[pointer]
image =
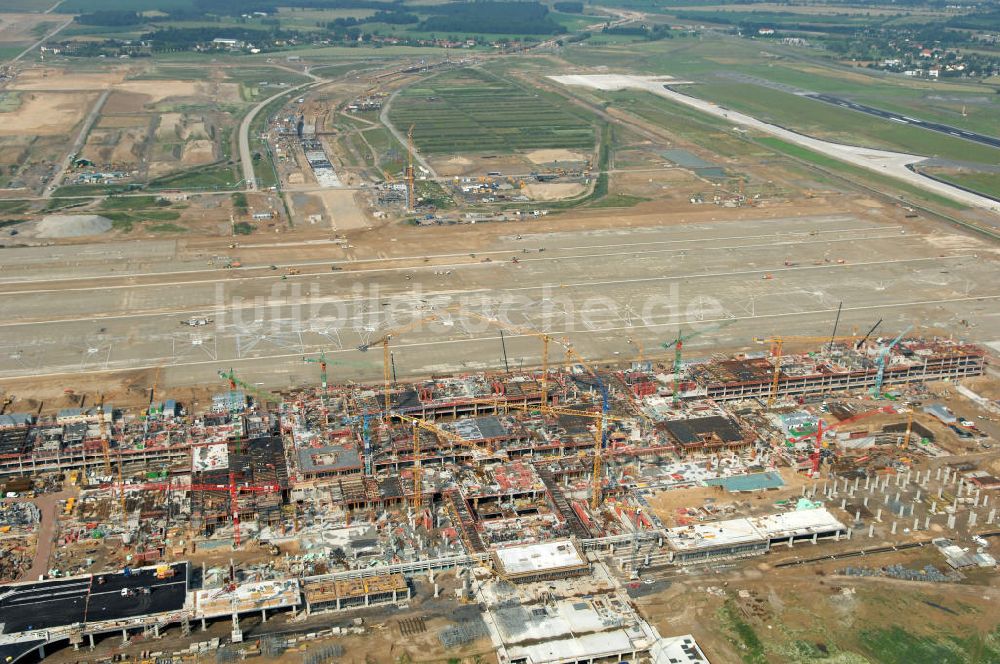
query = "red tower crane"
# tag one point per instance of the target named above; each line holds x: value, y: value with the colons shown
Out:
x: 232, y: 488
x: 820, y: 430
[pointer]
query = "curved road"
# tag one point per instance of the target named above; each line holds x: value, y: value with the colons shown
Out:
x: 246, y: 159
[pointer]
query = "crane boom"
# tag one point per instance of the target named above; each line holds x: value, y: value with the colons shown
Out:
x: 883, y: 355
x: 816, y: 456
x: 386, y: 358
x: 526, y: 331
x: 678, y: 343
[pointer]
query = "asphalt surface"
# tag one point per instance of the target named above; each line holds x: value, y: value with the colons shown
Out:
x: 904, y: 119
x: 61, y: 602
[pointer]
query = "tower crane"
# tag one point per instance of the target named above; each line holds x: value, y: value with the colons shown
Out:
x: 815, y: 457
x: 232, y: 488
x: 235, y: 381
x: 883, y: 355
x: 601, y: 433
x: 524, y: 331
x: 678, y: 344
x: 777, y: 345
x: 323, y: 362
x: 411, y: 200
x: 387, y: 360
x: 418, y: 424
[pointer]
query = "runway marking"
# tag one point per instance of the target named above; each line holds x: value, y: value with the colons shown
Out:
x: 471, y: 339
x: 407, y: 258
x: 424, y: 268
x: 308, y: 301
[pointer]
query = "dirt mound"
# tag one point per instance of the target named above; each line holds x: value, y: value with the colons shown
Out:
x: 72, y: 225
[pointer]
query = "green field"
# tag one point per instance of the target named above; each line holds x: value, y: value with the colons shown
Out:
x: 719, y: 60
x: 470, y: 110
x: 987, y: 184
x: 823, y: 120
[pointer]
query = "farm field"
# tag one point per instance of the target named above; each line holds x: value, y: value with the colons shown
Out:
x: 472, y: 111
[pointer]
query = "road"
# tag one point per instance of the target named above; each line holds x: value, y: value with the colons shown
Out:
x: 983, y: 139
x: 246, y: 158
x: 384, y: 118
x: 119, y: 306
x: 48, y: 506
x: 81, y: 138
x: 893, y: 164
x: 41, y: 41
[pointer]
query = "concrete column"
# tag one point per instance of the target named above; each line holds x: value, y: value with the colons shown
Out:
x: 916, y: 523
x: 156, y: 630
x: 893, y: 531
x: 868, y: 481
x: 902, y: 508
x: 263, y: 613
x: 986, y: 499
x: 951, y: 521
x: 436, y: 590
x: 815, y: 538
x: 916, y: 498
x: 850, y: 532
x: 204, y: 625
x: 843, y: 503
x: 857, y: 516
x: 972, y: 519
x: 92, y: 646
x: 927, y: 523
x: 791, y: 541
x: 124, y: 635
x: 898, y: 494
x: 865, y: 501
x: 933, y: 507
x: 871, y: 530
x: 857, y: 481
x: 878, y: 515
x: 940, y: 492
x: 41, y: 651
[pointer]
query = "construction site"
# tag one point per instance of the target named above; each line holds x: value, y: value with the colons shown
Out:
x: 542, y: 504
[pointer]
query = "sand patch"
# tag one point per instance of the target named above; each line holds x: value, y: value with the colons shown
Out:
x: 344, y: 212
x: 159, y: 90
x: 19, y: 28
x: 72, y: 225
x: 548, y: 156
x: 127, y: 148
x: 459, y: 161
x: 194, y: 131
x: 167, y: 130
x: 122, y: 121
x: 125, y: 102
x: 58, y: 79
x: 550, y: 191
x: 198, y: 152
x: 45, y: 114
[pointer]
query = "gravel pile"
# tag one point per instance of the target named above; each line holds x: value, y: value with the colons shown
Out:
x: 72, y: 225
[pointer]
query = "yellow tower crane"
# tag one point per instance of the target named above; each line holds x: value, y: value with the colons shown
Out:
x: 386, y: 358
x: 411, y: 201
x: 444, y: 434
x: 523, y: 331
x: 777, y: 346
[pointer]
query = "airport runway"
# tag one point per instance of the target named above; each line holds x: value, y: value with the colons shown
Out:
x: 608, y: 293
x: 905, y: 119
